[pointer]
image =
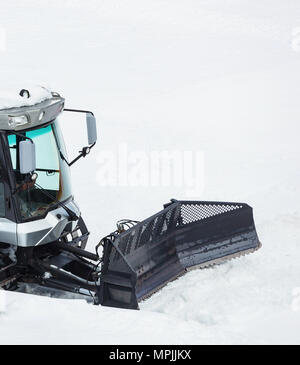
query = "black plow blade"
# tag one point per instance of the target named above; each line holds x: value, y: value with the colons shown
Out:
x: 183, y: 236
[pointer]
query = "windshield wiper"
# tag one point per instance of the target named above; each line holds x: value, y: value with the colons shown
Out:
x: 73, y: 216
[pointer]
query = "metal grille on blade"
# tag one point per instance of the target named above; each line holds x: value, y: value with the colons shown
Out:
x: 196, y: 212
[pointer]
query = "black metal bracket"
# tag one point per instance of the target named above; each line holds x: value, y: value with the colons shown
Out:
x: 85, y: 151
x: 78, y: 111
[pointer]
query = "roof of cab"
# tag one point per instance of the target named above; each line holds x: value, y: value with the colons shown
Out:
x: 28, y: 108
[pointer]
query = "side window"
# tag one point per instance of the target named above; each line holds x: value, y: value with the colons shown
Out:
x: 47, y: 161
x: 13, y: 149
x: 2, y: 200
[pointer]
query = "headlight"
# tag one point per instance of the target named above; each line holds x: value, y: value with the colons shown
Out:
x: 14, y: 122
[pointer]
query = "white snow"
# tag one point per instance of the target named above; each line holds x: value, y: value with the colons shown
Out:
x: 10, y: 94
x: 219, y: 77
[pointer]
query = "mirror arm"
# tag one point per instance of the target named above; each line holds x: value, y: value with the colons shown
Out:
x: 85, y: 151
x: 63, y: 158
x: 79, y: 111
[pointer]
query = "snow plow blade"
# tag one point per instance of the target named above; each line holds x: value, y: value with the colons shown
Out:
x: 183, y: 236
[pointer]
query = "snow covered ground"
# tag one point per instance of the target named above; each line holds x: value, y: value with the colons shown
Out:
x: 212, y: 76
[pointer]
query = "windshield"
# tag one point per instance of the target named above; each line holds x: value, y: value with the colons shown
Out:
x: 53, y: 173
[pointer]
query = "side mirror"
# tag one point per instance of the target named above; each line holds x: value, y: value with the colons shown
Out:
x: 27, y: 156
x: 91, y: 128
